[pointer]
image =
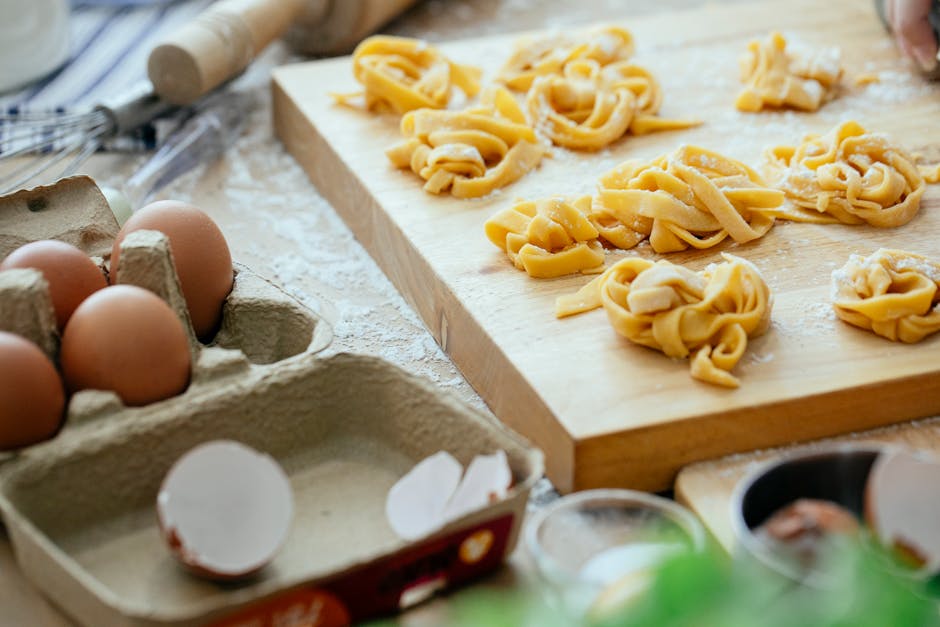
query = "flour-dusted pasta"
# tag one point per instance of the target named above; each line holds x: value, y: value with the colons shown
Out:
x: 773, y: 77
x: 893, y: 293
x: 549, y: 237
x: 471, y: 152
x: 848, y: 175
x: 549, y: 54
x: 706, y: 315
x: 588, y: 107
x: 399, y: 74
x: 691, y: 197
x: 582, y: 92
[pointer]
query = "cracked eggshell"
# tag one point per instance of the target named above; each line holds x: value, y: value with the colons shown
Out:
x: 437, y: 491
x: 225, y: 510
x: 486, y: 481
x: 902, y: 506
x: 415, y: 504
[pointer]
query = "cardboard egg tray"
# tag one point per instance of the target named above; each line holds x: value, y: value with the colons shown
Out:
x: 80, y: 508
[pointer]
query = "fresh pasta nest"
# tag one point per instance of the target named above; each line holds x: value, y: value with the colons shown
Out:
x: 548, y: 55
x: 776, y: 78
x: 847, y: 175
x: 588, y: 106
x: 471, y: 152
x: 893, y: 293
x: 399, y: 74
x: 690, y: 198
x: 548, y: 238
x: 582, y: 92
x: 706, y: 315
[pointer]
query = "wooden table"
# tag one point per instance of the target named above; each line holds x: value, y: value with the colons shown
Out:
x: 277, y: 223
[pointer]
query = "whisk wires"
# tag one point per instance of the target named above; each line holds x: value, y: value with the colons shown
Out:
x: 34, y: 145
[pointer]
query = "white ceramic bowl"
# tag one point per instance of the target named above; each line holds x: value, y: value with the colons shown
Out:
x: 34, y: 40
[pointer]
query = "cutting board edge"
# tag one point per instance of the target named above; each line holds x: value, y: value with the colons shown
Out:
x: 598, y: 464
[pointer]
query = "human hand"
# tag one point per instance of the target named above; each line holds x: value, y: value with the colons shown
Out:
x: 912, y: 30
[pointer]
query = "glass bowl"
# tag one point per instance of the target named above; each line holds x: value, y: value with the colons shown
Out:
x: 598, y: 547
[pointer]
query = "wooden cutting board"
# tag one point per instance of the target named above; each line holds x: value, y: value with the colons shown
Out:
x: 606, y: 412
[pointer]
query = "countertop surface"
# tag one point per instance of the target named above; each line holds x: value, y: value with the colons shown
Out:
x: 277, y: 223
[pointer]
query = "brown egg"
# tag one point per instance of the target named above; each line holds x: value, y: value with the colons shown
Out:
x: 202, y: 258
x: 71, y: 274
x: 128, y: 340
x: 32, y: 400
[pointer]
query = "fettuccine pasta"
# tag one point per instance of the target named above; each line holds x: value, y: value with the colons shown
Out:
x: 847, y: 175
x: 399, y: 74
x: 775, y: 78
x: 549, y: 237
x: 692, y: 197
x: 582, y: 92
x: 470, y: 152
x: 588, y: 106
x: 893, y: 293
x: 548, y: 55
x: 706, y: 315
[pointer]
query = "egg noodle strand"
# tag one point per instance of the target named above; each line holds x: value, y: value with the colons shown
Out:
x: 706, y: 315
x: 893, y: 293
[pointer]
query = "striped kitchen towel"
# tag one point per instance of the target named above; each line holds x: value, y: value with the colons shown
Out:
x: 110, y: 43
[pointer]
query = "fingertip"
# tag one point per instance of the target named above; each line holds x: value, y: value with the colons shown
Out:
x: 926, y: 57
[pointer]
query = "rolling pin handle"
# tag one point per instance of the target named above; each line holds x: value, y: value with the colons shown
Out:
x: 216, y: 46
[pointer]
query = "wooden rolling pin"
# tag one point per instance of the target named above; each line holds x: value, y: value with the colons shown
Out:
x: 224, y: 39
x: 336, y: 26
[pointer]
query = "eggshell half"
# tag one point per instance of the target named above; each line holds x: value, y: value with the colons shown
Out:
x: 225, y: 509
x: 902, y: 505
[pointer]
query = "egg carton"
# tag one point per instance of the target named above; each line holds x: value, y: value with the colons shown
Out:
x: 80, y: 508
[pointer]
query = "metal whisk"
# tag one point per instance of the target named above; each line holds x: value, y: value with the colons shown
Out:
x: 207, y: 51
x: 38, y: 146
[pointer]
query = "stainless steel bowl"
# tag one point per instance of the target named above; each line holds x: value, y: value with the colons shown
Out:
x: 836, y: 474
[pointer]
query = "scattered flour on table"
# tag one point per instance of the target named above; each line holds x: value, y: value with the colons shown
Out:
x: 814, y: 319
